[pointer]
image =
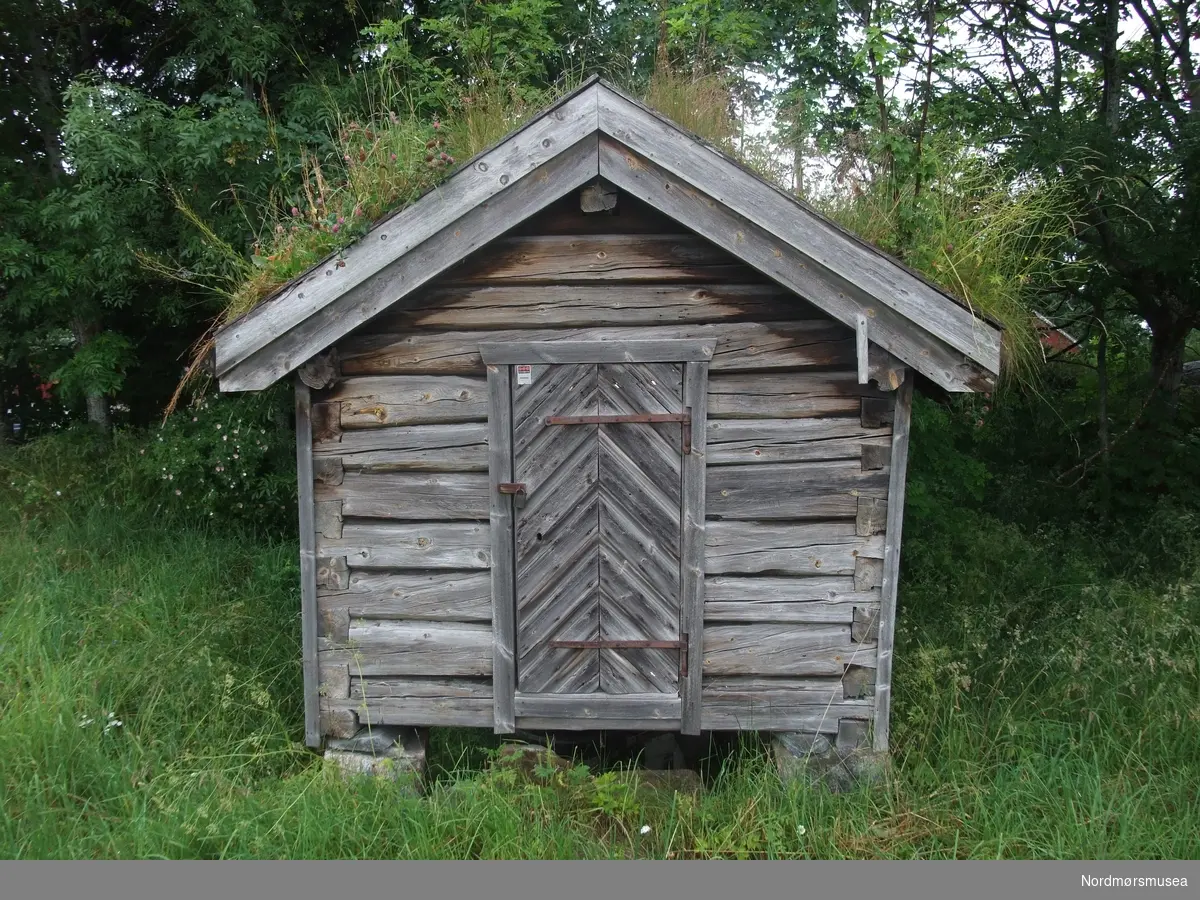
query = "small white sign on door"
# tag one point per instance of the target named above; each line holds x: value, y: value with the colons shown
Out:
x: 524, y: 374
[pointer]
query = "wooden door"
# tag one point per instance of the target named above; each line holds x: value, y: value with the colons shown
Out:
x: 605, y: 553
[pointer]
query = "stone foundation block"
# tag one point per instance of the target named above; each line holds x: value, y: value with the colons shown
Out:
x: 841, y: 764
x: 385, y: 751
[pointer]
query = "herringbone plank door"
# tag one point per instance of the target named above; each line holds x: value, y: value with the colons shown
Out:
x: 640, y: 493
x: 557, y: 532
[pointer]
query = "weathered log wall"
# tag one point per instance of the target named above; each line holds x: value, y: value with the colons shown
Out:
x: 797, y: 478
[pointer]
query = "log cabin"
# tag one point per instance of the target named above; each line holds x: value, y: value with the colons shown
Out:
x: 604, y: 432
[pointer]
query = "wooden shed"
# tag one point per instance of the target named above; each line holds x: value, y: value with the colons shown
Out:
x: 605, y: 432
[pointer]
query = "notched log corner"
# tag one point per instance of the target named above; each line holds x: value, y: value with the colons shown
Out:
x: 597, y: 198
x: 320, y: 372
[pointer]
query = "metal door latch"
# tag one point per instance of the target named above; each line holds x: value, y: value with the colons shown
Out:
x: 516, y: 489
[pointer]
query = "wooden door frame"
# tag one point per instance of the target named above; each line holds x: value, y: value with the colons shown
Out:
x: 695, y: 356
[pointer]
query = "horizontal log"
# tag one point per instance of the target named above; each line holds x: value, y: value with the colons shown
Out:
x: 781, y: 650
x: 741, y: 346
x: 598, y: 706
x: 448, y: 596
x: 421, y: 688
x: 584, y: 306
x: 794, y: 600
x: 753, y: 441
x: 609, y: 258
x: 410, y: 448
x: 369, y: 402
x: 435, y: 712
x: 778, y: 712
x: 789, y: 395
x: 416, y: 648
x: 412, y: 496
x: 804, y: 690
x: 812, y: 490
x: 747, y: 548
x: 412, y: 546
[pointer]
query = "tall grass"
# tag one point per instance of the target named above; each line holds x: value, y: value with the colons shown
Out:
x: 1073, y: 736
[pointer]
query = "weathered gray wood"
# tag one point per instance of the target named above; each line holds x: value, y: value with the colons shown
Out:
x: 367, y: 402
x: 589, y: 306
x: 640, y: 480
x: 332, y: 572
x: 308, y: 568
x: 877, y: 412
x: 863, y: 346
x: 328, y: 518
x: 583, y: 723
x: 811, y: 690
x: 335, y: 682
x: 876, y: 455
x: 449, y: 596
x: 327, y: 469
x: 858, y: 682
x: 872, y: 516
x: 338, y: 722
x: 501, y: 170
x: 431, y: 712
x: 502, y: 530
x: 417, y: 648
x: 691, y: 557
x: 777, y: 712
x: 885, y: 370
x: 786, y: 396
x: 865, y: 627
x: 326, y: 423
x: 564, y: 216
x: 868, y: 573
x: 599, y: 351
x: 773, y: 649
x: 321, y: 371
x: 334, y: 624
x: 951, y: 367
x: 811, y: 490
x: 891, y: 564
x: 557, y: 531
x: 426, y: 545
x: 409, y: 448
x: 413, y: 496
x: 800, y: 600
x: 879, y: 282
x: 445, y: 702
x: 598, y: 706
x: 597, y: 198
x: 741, y: 347
x: 387, y: 688
x: 348, y: 308
x: 754, y: 441
x: 747, y: 548
x: 609, y: 258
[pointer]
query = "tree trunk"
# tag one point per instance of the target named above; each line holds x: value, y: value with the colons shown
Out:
x: 97, y: 404
x: 1167, y: 344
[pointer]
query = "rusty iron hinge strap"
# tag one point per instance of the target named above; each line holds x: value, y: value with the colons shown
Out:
x: 681, y: 645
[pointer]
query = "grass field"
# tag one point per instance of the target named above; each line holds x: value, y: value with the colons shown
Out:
x: 150, y: 703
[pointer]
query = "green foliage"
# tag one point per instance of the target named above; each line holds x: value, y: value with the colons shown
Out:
x: 226, y: 459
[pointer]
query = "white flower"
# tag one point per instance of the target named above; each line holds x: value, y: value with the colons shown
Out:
x: 645, y: 829
x: 58, y: 493
x: 800, y: 830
